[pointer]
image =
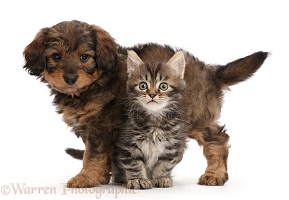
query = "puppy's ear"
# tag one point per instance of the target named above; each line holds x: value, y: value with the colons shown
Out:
x: 34, y: 54
x: 106, y: 50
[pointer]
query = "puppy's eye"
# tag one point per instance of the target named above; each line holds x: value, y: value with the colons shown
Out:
x: 56, y: 57
x: 84, y: 57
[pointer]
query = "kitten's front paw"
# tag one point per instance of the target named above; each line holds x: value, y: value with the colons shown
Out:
x: 163, y: 182
x: 139, y: 184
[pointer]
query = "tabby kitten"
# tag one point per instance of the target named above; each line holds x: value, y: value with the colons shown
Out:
x: 153, y: 139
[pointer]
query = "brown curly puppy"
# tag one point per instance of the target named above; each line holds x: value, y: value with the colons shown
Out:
x: 79, y: 64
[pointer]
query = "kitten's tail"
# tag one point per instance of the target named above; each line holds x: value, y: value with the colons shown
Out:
x: 75, y: 153
x: 240, y: 69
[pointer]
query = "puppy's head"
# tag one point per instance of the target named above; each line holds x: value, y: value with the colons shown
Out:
x: 71, y: 55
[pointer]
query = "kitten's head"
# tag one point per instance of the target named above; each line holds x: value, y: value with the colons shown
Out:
x: 155, y: 85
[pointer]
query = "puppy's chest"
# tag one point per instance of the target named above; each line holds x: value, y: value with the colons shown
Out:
x: 152, y: 146
x: 74, y: 116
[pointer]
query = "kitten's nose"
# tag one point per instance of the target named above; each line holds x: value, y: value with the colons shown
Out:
x: 152, y: 95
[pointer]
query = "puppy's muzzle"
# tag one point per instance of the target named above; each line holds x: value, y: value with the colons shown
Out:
x: 70, y: 79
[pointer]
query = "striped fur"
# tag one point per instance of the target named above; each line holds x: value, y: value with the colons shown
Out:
x: 153, y: 139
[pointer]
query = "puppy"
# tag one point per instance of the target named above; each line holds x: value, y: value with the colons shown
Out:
x: 79, y: 63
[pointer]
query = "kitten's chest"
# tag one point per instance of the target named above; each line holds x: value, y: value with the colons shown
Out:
x: 153, y: 146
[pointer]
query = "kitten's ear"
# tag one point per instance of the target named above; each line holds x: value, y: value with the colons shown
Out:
x: 177, y: 64
x: 133, y: 62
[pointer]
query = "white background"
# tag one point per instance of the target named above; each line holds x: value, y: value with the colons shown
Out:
x: 33, y: 136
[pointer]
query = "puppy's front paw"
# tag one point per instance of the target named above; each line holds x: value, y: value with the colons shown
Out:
x: 79, y: 181
x: 86, y: 179
x: 139, y: 184
x: 213, y: 179
x: 163, y: 182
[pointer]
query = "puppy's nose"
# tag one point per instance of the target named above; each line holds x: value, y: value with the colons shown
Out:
x: 70, y: 79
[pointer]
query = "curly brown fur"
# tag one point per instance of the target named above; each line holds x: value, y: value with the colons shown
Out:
x: 79, y: 62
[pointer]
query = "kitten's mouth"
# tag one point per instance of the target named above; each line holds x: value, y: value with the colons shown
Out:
x: 152, y: 101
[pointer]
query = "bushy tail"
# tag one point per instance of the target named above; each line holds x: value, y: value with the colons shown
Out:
x: 75, y: 153
x: 241, y: 69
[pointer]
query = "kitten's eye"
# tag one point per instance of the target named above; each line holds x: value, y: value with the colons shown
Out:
x: 163, y: 86
x: 84, y: 57
x: 56, y: 57
x: 143, y: 86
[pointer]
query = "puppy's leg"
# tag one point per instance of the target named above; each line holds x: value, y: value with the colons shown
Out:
x: 96, y: 167
x: 215, y: 147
